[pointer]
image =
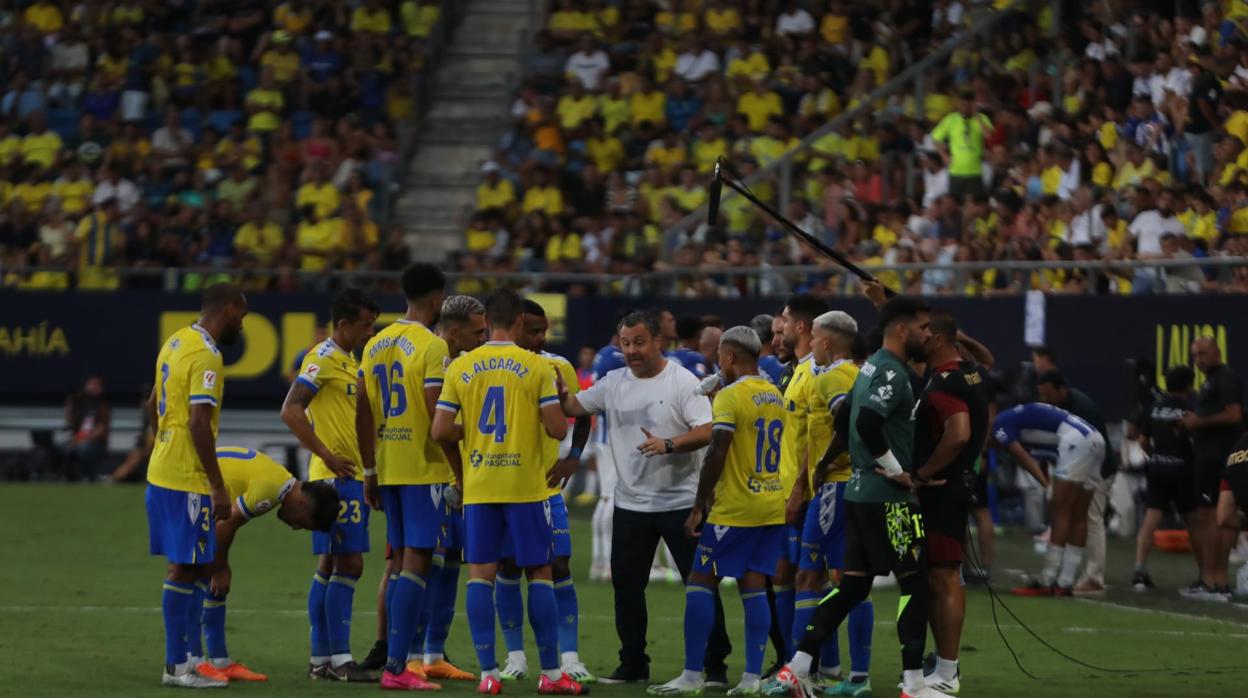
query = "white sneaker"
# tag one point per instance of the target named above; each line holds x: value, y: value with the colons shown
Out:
x: 925, y: 692
x: 679, y: 686
x: 951, y: 686
x: 514, y: 671
x: 579, y: 672
x: 752, y: 687
x: 191, y: 679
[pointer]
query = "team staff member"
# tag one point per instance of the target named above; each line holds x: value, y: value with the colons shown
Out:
x: 740, y: 499
x: 799, y: 314
x: 320, y: 411
x: 185, y: 490
x: 884, y: 531
x: 823, y: 531
x: 1233, y: 499
x: 256, y: 485
x: 507, y: 593
x: 495, y: 389
x: 657, y: 426
x: 1170, y: 481
x: 1215, y: 424
x: 405, y: 472
x: 952, y: 428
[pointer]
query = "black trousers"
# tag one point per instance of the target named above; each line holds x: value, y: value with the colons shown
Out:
x: 635, y: 538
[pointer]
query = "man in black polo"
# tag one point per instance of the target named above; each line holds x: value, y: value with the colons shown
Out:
x: 1215, y: 424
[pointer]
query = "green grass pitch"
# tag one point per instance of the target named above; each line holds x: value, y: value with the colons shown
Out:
x: 80, y: 616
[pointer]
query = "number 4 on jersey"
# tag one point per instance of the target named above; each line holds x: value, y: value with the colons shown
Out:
x: 494, y: 415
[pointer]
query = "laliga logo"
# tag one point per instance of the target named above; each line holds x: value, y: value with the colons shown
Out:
x: 476, y: 458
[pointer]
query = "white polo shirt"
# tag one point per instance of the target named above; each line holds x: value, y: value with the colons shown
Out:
x: 666, y: 405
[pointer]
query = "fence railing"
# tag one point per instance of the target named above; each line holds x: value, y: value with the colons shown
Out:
x: 911, y: 79
x: 1149, y: 274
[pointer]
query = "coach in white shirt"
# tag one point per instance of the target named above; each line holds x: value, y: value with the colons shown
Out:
x: 658, y: 427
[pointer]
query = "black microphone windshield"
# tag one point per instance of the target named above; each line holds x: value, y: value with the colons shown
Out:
x: 717, y: 188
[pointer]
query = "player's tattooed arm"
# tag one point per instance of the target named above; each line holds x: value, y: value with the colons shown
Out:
x: 295, y: 416
x: 712, y: 470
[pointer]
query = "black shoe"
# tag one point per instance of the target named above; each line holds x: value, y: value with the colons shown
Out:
x: 627, y: 673
x: 376, y: 658
x: 1141, y: 581
x: 716, y: 679
x: 350, y: 672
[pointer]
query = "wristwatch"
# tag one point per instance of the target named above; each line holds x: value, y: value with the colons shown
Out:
x: 669, y: 445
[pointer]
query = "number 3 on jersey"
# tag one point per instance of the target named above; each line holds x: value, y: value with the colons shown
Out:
x: 767, y: 447
x: 493, y: 414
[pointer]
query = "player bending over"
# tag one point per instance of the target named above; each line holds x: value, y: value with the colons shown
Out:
x: 185, y: 490
x: 320, y: 412
x: 507, y: 592
x: 741, y: 498
x: 508, y: 402
x: 884, y: 530
x: 256, y: 485
x: 1080, y: 449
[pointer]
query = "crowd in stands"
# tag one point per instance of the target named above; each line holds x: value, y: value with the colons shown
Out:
x: 1116, y: 131
x: 224, y: 134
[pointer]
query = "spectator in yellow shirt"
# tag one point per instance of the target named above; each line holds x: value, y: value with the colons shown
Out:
x: 419, y: 18
x: 265, y: 105
x: 294, y: 17
x: 721, y: 19
x: 10, y: 145
x: 32, y: 193
x: 749, y: 64
x: 258, y: 238
x: 604, y: 150
x: 566, y: 22
x: 371, y: 18
x: 318, y: 241
x: 495, y: 191
x: 576, y: 106
x: 543, y: 196
x: 647, y: 104
x: 44, y: 17
x: 74, y: 188
x: 281, y: 60
x: 667, y: 153
x: 563, y: 247
x: 479, y: 238
x: 691, y: 193
x: 759, y: 105
x: 319, y: 193
x: 709, y: 147
x: 358, y: 235
x: 834, y: 27
x: 40, y: 147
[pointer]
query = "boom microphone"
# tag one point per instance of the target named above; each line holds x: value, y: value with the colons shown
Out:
x: 717, y: 188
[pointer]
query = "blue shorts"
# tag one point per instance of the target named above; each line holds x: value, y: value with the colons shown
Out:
x: 823, y: 535
x: 731, y: 551
x: 455, y: 537
x: 350, y: 532
x: 180, y: 526
x: 527, y: 524
x: 416, y: 516
x: 791, y: 546
x: 560, y: 534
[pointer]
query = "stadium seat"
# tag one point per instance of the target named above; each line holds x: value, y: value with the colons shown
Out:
x: 223, y: 119
x: 302, y: 123
x: 63, y: 121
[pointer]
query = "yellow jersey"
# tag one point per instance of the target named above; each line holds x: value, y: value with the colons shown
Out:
x: 550, y: 447
x: 399, y: 364
x: 188, y: 372
x: 750, y: 491
x: 330, y: 373
x: 255, y: 482
x: 824, y: 391
x: 497, y: 387
x: 793, y: 448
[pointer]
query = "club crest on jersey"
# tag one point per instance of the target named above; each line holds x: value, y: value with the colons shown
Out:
x: 476, y: 458
x: 210, y: 380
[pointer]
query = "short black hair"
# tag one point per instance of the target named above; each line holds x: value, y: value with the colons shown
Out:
x: 421, y: 279
x: 1179, y: 378
x: 532, y: 307
x: 323, y: 499
x: 901, y: 308
x: 1053, y: 378
x: 348, y: 304
x: 502, y: 308
x: 944, y: 325
x: 642, y: 317
x: 688, y: 326
x: 1045, y: 352
x: 858, y: 349
x: 806, y: 307
x: 218, y: 296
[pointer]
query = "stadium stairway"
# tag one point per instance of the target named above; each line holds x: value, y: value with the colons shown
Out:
x: 471, y: 99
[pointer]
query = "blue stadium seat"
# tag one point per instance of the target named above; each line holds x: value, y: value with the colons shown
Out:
x: 193, y: 121
x: 63, y: 121
x: 248, y: 78
x: 223, y: 119
x: 302, y: 124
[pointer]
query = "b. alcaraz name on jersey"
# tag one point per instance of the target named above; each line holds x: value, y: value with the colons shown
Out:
x: 330, y: 373
x: 793, y: 447
x: 750, y: 492
x: 188, y: 372
x: 564, y: 369
x: 255, y: 482
x: 827, y: 388
x: 952, y: 388
x: 499, y: 389
x: 882, y: 386
x: 399, y: 365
